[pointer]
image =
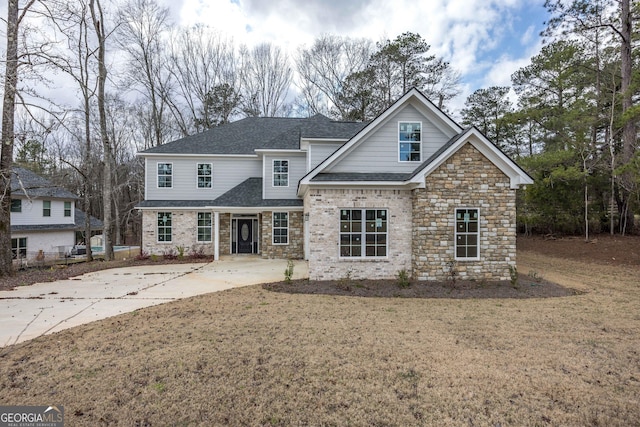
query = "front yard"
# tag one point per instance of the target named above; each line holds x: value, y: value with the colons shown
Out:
x: 255, y: 357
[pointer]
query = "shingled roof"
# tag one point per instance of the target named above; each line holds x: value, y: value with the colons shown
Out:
x: 259, y: 133
x: 29, y: 184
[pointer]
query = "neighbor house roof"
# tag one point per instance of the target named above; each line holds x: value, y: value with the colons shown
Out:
x: 95, y: 223
x: 78, y: 225
x: 258, y: 133
x: 29, y: 184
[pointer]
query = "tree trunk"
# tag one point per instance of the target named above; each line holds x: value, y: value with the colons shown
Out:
x: 107, y: 192
x: 6, y: 152
x: 629, y: 129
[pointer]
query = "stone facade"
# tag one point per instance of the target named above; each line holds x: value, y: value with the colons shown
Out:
x: 294, y: 249
x: 225, y: 234
x: 466, y: 180
x: 184, y: 233
x: 323, y: 207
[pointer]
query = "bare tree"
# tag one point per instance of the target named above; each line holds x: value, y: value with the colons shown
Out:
x: 266, y: 77
x: 98, y: 20
x: 14, y: 17
x: 143, y: 25
x: 324, y: 67
x: 199, y: 61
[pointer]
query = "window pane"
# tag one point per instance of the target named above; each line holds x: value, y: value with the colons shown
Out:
x: 16, y: 205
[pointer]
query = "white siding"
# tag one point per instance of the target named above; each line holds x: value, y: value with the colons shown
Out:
x: 319, y: 151
x: 227, y: 173
x: 51, y: 243
x: 32, y: 213
x: 297, y: 169
x: 379, y: 151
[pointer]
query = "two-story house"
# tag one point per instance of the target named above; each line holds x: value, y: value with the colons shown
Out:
x: 411, y: 190
x: 44, y: 217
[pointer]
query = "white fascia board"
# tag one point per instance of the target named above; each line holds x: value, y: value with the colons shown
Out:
x: 170, y: 155
x: 516, y: 175
x: 225, y: 209
x: 276, y: 151
x: 353, y: 142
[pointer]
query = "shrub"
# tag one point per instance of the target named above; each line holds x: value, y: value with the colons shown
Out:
x: 513, y: 273
x: 452, y: 272
x: 170, y: 254
x: 288, y: 272
x: 142, y: 256
x: 180, y: 250
x: 197, y: 253
x: 403, y: 279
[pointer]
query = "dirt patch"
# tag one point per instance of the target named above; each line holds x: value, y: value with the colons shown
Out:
x: 527, y: 287
x: 601, y: 248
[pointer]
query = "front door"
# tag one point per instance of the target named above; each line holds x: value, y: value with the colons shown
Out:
x: 245, y: 236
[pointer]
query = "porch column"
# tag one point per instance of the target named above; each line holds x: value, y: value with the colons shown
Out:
x: 216, y: 236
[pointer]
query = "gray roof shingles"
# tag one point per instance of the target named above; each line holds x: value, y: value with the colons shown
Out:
x: 247, y: 194
x: 259, y: 133
x: 29, y: 184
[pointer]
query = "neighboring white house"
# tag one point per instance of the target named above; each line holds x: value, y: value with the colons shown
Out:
x: 410, y: 190
x: 44, y: 217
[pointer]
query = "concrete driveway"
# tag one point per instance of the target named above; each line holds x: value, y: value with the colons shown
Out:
x: 30, y: 311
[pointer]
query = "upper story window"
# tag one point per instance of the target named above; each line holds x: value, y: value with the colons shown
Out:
x: 205, y: 175
x: 467, y: 234
x: 281, y: 173
x: 165, y: 175
x: 16, y: 205
x: 67, y: 209
x: 46, y: 208
x: 410, y: 141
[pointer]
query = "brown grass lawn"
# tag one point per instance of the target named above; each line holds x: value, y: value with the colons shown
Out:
x: 253, y: 357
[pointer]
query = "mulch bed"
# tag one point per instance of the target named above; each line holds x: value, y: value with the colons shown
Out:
x: 462, y: 289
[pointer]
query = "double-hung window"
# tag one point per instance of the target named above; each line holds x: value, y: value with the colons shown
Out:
x: 67, y: 209
x: 363, y: 233
x: 281, y: 173
x: 16, y: 205
x: 467, y: 234
x: 46, y: 208
x: 410, y: 141
x: 280, y: 228
x: 165, y: 175
x: 205, y: 175
x: 204, y: 226
x: 164, y: 227
x: 19, y: 248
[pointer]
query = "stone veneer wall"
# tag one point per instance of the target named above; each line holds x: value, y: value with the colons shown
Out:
x: 323, y: 206
x: 467, y: 179
x: 295, y: 248
x: 184, y: 233
x: 225, y: 234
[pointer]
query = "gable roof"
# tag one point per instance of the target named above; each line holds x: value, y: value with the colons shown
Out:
x: 29, y: 184
x: 413, y: 94
x: 245, y: 136
x: 471, y: 135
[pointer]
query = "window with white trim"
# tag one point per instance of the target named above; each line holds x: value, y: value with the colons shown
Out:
x: 467, y: 234
x: 164, y: 227
x: 165, y: 175
x: 410, y: 141
x: 205, y: 175
x: 280, y: 228
x: 19, y: 248
x: 363, y: 233
x: 204, y: 226
x: 67, y: 209
x: 46, y: 208
x: 281, y: 173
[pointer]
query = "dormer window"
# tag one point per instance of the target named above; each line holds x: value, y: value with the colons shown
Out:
x: 410, y: 141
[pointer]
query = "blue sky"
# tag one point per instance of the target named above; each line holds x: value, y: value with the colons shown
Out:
x: 486, y: 40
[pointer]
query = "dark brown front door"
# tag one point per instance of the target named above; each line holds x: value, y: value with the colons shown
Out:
x: 245, y: 236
